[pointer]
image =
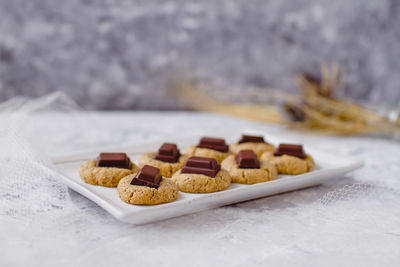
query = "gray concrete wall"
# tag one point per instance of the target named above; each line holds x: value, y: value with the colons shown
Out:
x: 120, y: 54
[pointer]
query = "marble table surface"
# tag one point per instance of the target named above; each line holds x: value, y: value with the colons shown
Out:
x: 354, y: 220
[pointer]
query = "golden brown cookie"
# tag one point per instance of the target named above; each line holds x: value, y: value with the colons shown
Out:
x: 258, y: 148
x: 207, y: 153
x: 167, y: 169
x: 200, y: 183
x: 143, y: 195
x: 266, y: 172
x: 104, y: 176
x: 286, y: 164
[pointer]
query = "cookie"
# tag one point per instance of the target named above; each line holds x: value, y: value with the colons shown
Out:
x: 251, y: 142
x: 167, y: 169
x: 207, y: 153
x: 200, y: 183
x: 143, y: 195
x: 258, y: 148
x: 104, y: 176
x: 265, y: 172
x: 287, y: 164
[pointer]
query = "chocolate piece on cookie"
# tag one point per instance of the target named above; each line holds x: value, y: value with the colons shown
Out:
x: 213, y: 143
x: 291, y: 150
x: 147, y: 176
x: 201, y: 165
x: 117, y: 160
x: 247, y: 159
x: 168, y: 152
x: 251, y: 139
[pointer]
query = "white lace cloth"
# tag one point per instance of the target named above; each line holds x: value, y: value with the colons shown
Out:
x: 353, y: 221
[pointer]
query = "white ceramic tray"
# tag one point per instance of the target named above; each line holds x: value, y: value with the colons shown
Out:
x: 328, y: 166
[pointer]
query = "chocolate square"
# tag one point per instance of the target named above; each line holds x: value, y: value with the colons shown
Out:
x: 117, y: 160
x: 168, y: 152
x: 247, y: 159
x: 148, y: 176
x: 291, y: 150
x: 251, y: 139
x: 213, y: 143
x: 200, y: 165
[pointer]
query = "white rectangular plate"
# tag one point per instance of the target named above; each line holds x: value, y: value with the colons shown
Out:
x: 327, y: 167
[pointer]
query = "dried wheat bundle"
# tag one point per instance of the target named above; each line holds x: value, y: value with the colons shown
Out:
x: 320, y: 110
x: 314, y: 108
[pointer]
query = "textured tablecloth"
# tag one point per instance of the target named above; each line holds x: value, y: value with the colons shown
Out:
x: 351, y: 222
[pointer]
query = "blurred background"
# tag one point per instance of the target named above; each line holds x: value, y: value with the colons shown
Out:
x: 124, y: 54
